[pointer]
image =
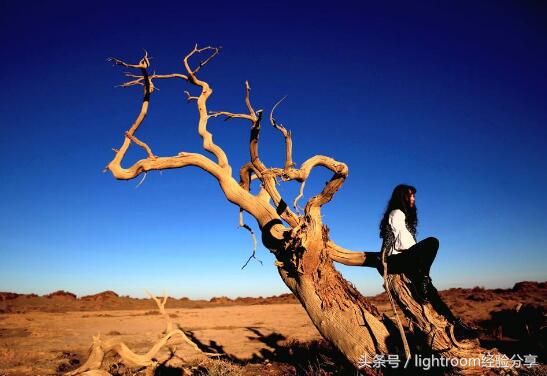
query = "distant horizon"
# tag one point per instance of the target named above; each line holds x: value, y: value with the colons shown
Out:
x: 145, y: 296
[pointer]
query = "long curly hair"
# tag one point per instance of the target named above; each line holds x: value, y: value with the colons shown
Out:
x: 400, y: 200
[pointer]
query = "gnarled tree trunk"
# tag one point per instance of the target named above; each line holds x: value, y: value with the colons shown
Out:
x: 299, y: 241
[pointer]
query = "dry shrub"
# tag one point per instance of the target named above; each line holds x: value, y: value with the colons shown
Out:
x: 68, y: 361
x: 539, y: 370
x: 316, y: 357
x: 217, y: 368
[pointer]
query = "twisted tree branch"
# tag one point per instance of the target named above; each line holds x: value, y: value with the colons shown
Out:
x: 286, y: 134
x: 206, y: 92
x: 260, y: 209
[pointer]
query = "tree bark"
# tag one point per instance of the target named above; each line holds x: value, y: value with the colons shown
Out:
x: 355, y: 327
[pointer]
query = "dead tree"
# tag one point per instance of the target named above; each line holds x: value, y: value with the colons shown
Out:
x: 300, y: 241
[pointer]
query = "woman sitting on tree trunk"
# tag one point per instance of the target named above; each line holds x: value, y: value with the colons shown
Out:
x: 405, y: 255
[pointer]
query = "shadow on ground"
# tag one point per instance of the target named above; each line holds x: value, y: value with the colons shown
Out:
x: 311, y: 358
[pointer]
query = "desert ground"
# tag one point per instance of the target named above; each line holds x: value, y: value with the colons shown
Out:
x: 50, y: 335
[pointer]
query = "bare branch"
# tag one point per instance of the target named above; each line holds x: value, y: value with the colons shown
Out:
x: 189, y: 97
x: 345, y: 256
x: 300, y: 194
x: 142, y: 180
x: 248, y: 100
x: 248, y: 228
x: 183, y: 159
x: 268, y: 176
x: 141, y: 144
x: 246, y: 175
x: 206, y: 92
x: 264, y: 213
x: 152, y: 162
x: 132, y: 83
x: 167, y: 76
x: 286, y: 134
x: 143, y: 63
x: 340, y: 173
x: 139, y: 79
x: 252, y: 116
x: 161, y: 307
x: 229, y: 115
x: 216, y: 51
x: 192, y: 72
x: 334, y: 184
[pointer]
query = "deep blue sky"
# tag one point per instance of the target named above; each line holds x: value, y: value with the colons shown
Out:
x: 449, y: 97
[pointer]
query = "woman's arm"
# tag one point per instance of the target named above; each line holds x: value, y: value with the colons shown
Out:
x: 403, y: 237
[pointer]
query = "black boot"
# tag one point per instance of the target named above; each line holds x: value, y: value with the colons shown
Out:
x: 438, y: 304
x: 423, y: 287
x: 461, y: 329
x: 464, y: 331
x: 421, y: 284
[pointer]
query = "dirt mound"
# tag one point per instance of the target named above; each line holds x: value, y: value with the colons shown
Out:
x: 8, y: 296
x: 61, y: 294
x: 105, y: 295
x: 529, y: 286
x: 479, y: 294
x: 220, y: 300
x: 282, y: 299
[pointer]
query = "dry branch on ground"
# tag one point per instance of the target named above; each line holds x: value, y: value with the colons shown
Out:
x: 101, y: 347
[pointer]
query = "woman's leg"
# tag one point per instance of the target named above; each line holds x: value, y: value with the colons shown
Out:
x: 371, y: 259
x: 461, y: 329
x: 416, y: 259
x: 415, y: 263
x: 396, y: 264
x: 425, y: 251
x: 439, y: 305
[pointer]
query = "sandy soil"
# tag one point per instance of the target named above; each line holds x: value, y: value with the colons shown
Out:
x: 50, y: 335
x: 36, y: 343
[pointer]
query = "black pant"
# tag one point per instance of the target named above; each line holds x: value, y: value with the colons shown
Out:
x: 413, y: 261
